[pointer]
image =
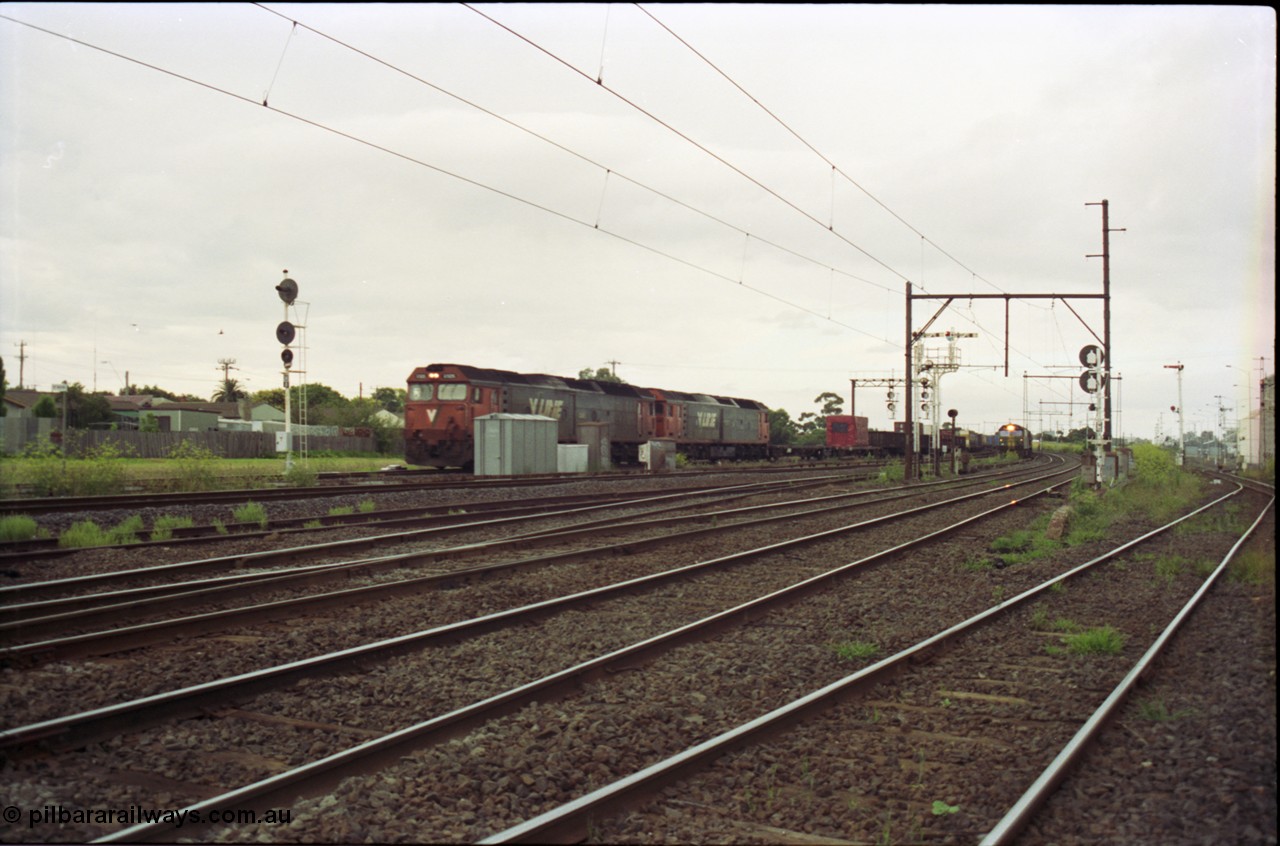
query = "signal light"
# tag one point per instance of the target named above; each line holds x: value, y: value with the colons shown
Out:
x: 288, y: 290
x: 286, y: 355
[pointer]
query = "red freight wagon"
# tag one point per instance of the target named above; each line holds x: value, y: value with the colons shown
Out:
x: 845, y: 431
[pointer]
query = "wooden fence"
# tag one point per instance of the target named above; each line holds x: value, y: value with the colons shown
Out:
x: 223, y: 444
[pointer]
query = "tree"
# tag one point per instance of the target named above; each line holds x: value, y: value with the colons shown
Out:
x: 85, y: 409
x: 229, y: 390
x: 324, y: 404
x: 391, y: 399
x: 601, y: 374
x: 832, y: 403
x: 4, y: 388
x: 154, y: 391
x: 812, y: 429
x: 273, y: 397
x: 1079, y: 436
x: 782, y: 429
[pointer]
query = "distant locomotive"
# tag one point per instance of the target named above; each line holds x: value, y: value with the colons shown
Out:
x: 1013, y: 438
x: 444, y: 400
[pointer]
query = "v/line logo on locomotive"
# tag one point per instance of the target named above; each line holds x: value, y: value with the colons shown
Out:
x: 546, y: 407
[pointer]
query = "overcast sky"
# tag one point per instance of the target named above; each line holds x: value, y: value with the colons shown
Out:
x: 545, y: 188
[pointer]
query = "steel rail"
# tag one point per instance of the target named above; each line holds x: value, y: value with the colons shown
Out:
x: 1030, y: 802
x: 45, y: 614
x: 318, y: 775
x: 242, y: 560
x: 568, y: 823
x: 75, y: 729
x: 127, y: 637
x: 19, y: 613
x: 415, y: 515
x: 390, y: 485
x: 421, y: 515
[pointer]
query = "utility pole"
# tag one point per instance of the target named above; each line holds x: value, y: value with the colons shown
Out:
x: 22, y: 362
x: 613, y: 368
x: 908, y: 452
x: 227, y: 364
x: 1106, y: 321
x: 1222, y: 427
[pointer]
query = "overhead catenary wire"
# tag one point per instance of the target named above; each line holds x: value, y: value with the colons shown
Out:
x: 436, y: 168
x: 684, y: 136
x: 267, y: 94
x: 568, y: 150
x: 835, y: 169
x: 690, y: 140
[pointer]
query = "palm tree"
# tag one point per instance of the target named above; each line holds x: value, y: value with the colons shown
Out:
x: 229, y: 391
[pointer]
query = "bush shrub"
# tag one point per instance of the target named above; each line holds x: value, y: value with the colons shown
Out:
x: 17, y: 527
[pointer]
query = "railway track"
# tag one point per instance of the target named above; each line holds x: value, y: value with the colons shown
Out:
x: 967, y: 720
x: 371, y: 514
x: 643, y: 575
x: 981, y: 701
x: 295, y: 711
x: 338, y: 484
x: 423, y: 523
x: 43, y: 625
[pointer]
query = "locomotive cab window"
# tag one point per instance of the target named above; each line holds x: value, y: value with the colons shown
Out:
x: 420, y: 393
x: 452, y: 391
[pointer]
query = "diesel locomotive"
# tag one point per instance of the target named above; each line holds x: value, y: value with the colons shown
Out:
x: 443, y: 401
x: 1014, y: 438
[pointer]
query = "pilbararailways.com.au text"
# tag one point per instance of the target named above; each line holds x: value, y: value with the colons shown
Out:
x: 138, y: 815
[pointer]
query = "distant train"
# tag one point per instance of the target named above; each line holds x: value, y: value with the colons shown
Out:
x: 1013, y: 438
x: 444, y: 400
x: 850, y: 435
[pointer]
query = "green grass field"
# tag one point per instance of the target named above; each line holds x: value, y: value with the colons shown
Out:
x: 50, y: 475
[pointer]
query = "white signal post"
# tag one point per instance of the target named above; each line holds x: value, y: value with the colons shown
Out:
x: 288, y: 291
x: 1182, y: 443
x: 932, y: 370
x: 1093, y: 380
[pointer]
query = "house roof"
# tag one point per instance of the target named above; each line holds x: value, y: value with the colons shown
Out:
x: 125, y: 404
x: 222, y: 409
x: 22, y: 398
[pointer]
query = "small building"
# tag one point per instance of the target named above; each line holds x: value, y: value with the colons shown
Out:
x: 206, y: 416
x: 515, y: 444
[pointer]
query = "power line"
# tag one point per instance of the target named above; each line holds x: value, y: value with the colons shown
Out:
x: 608, y: 170
x: 443, y: 171
x: 690, y: 140
x: 599, y: 83
x: 834, y: 167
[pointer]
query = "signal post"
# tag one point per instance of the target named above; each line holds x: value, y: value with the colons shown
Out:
x: 285, y: 333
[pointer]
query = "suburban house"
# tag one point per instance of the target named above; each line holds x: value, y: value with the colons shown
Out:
x: 203, y: 416
x: 21, y: 426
